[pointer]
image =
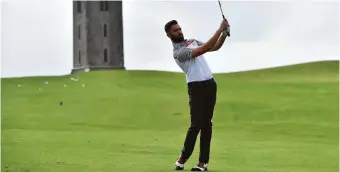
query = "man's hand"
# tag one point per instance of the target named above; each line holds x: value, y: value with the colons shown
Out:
x: 224, y: 25
x: 225, y: 32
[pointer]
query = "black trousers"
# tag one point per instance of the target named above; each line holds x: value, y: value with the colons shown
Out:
x: 202, y: 100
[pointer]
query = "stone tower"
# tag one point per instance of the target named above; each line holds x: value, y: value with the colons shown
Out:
x: 97, y: 35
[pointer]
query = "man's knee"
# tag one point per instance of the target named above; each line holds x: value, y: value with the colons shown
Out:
x: 207, y: 124
x: 200, y: 125
x: 195, y: 127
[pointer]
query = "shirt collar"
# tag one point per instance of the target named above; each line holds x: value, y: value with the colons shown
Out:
x: 177, y: 45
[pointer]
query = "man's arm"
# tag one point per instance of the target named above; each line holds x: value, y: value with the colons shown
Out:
x: 208, y: 45
x: 184, y: 53
x: 218, y: 44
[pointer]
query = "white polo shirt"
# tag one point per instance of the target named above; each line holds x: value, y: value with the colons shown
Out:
x: 195, y: 69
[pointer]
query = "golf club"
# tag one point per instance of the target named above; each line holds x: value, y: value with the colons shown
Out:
x: 228, y: 30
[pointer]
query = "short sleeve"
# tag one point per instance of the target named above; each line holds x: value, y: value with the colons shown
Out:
x: 199, y: 43
x: 183, y: 54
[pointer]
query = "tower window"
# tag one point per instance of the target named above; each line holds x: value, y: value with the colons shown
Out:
x: 79, y: 57
x: 105, y: 55
x: 79, y: 31
x: 104, y: 5
x: 78, y: 6
x: 105, y: 30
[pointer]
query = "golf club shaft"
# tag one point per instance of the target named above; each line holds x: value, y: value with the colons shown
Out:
x: 228, y: 29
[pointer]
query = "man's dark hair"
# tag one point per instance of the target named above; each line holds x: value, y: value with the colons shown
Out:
x: 168, y: 25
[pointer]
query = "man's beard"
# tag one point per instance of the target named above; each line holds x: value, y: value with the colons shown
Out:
x: 178, y: 39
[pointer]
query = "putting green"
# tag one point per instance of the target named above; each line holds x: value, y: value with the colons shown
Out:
x: 274, y: 120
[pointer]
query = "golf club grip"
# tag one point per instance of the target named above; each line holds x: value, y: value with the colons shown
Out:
x: 228, y: 30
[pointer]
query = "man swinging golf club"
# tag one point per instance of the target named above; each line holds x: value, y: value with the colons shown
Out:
x: 202, y: 88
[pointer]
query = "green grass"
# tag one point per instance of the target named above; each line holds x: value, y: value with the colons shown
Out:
x: 273, y: 120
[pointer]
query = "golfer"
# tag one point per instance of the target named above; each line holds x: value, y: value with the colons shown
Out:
x: 202, y: 88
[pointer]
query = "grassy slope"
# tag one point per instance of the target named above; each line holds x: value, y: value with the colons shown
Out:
x: 282, y: 120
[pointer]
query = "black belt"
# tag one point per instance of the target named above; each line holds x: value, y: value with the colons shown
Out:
x: 202, y: 82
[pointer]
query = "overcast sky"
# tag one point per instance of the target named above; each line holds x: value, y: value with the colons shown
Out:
x: 263, y: 34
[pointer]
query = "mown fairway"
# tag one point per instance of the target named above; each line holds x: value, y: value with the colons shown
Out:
x: 274, y: 120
